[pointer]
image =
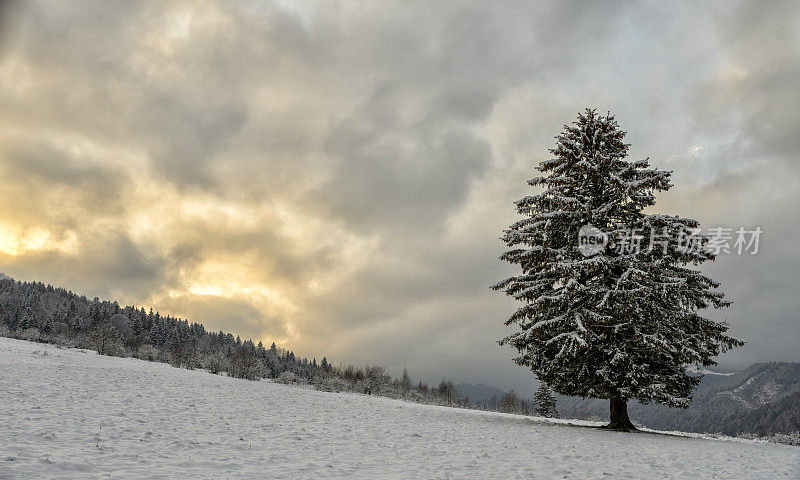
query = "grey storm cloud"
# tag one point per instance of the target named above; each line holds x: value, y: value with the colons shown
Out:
x: 336, y: 177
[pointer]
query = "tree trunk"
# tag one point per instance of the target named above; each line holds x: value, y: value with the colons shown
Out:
x: 619, y: 415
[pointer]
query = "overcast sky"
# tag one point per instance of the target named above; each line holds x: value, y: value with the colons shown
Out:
x: 335, y: 177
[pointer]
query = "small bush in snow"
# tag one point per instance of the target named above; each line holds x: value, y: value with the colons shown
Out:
x: 290, y: 378
x: 792, y: 438
x: 215, y: 363
x: 29, y: 334
x: 116, y: 350
x: 245, y: 364
x: 149, y: 353
x: 329, y: 384
x: 185, y: 354
x: 63, y: 341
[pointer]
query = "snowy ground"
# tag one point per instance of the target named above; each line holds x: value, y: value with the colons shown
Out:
x: 75, y: 414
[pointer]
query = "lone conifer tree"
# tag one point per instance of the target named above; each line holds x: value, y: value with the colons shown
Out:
x: 618, y: 317
x: 544, y: 402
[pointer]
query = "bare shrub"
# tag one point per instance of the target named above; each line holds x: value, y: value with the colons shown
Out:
x: 29, y: 334
x: 185, y: 354
x: 105, y: 339
x: 149, y: 353
x: 63, y: 341
x: 215, y: 362
x: 245, y: 364
x: 290, y: 378
x: 329, y: 383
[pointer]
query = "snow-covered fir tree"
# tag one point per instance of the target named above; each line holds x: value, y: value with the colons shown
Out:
x: 613, y: 321
x: 544, y: 402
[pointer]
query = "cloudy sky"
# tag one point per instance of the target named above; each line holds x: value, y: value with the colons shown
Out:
x: 335, y: 177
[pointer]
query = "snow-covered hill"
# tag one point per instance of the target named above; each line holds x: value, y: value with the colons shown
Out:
x: 477, y: 393
x: 75, y: 414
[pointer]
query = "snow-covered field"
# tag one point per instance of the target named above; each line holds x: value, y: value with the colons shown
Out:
x: 75, y: 414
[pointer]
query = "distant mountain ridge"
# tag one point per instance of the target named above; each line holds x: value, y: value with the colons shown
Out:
x: 764, y: 398
x: 477, y: 393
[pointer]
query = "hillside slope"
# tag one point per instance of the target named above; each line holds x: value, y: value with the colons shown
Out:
x: 75, y: 414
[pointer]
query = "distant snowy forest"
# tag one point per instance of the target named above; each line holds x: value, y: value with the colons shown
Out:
x: 42, y: 313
